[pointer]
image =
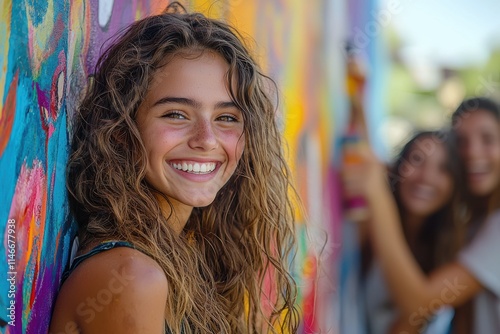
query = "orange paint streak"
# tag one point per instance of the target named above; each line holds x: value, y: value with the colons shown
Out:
x: 42, y: 220
x: 8, y: 112
x: 29, y: 239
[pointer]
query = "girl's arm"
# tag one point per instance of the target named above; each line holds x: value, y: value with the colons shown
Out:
x: 417, y: 295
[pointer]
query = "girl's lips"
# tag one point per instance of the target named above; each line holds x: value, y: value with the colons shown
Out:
x: 423, y: 192
x: 478, y: 171
x: 475, y: 177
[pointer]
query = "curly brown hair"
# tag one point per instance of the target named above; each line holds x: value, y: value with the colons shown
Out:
x: 216, y: 267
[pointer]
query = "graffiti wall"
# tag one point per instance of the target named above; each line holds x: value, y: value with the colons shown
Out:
x: 49, y: 47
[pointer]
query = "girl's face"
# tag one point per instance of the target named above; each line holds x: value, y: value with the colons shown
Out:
x: 479, y: 144
x: 427, y: 184
x: 191, y: 129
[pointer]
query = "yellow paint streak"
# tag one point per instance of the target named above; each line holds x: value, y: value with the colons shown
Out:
x: 292, y: 88
x: 325, y: 127
x: 5, y: 14
x: 243, y: 15
x: 213, y: 9
x: 40, y: 36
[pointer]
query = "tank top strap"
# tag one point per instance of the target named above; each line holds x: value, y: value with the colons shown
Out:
x: 102, y: 247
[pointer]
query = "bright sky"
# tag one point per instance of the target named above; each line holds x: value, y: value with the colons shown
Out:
x: 447, y: 32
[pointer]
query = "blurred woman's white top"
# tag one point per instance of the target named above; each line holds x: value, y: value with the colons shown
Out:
x: 482, y: 259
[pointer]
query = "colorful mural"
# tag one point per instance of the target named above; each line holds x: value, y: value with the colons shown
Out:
x: 49, y: 47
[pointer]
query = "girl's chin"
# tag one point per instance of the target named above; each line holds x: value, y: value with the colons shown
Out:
x: 200, y: 203
x: 482, y: 189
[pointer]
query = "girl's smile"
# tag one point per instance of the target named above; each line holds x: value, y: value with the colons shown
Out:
x: 195, y: 167
x: 196, y: 171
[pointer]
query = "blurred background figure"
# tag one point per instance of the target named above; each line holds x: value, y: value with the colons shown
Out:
x: 477, y: 125
x: 425, y: 181
x: 471, y: 281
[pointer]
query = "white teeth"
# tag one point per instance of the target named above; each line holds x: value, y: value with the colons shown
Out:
x: 478, y: 170
x: 425, y: 192
x: 478, y: 167
x: 196, y: 168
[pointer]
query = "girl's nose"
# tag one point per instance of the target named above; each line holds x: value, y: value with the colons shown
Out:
x: 203, y: 136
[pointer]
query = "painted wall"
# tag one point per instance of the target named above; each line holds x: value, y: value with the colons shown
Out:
x: 47, y: 50
x: 49, y: 47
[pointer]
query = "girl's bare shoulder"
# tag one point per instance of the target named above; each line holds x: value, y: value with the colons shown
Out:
x: 113, y: 291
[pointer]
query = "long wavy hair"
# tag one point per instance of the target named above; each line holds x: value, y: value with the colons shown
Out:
x: 442, y: 233
x: 217, y: 267
x: 479, y: 207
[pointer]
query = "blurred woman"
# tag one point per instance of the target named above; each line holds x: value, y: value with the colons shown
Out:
x: 477, y: 126
x: 424, y: 180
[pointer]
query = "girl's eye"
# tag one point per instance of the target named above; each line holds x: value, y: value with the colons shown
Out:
x: 227, y: 118
x: 174, y: 114
x: 488, y: 138
x: 444, y: 168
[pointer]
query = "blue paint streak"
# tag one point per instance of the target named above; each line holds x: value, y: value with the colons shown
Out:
x: 37, y: 10
x: 10, y: 165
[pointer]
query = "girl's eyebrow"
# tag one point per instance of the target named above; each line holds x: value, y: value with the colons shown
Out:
x: 193, y: 103
x: 225, y: 105
x: 179, y: 100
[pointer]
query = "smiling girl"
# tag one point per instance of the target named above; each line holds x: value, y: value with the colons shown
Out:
x: 426, y: 189
x: 477, y: 125
x: 179, y: 185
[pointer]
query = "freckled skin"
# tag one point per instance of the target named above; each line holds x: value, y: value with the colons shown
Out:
x: 197, y: 122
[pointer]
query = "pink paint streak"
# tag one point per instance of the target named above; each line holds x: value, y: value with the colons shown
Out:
x: 28, y: 210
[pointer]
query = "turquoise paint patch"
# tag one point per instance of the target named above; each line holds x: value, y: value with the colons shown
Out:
x: 37, y: 9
